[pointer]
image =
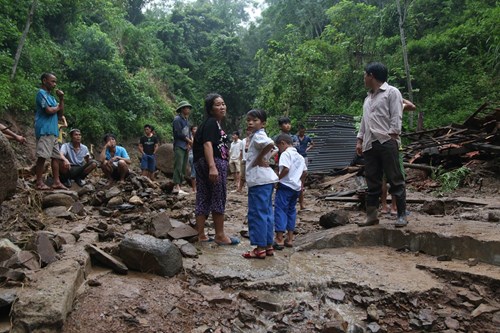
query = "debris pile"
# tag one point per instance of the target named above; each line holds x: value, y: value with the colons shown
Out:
x: 477, y: 137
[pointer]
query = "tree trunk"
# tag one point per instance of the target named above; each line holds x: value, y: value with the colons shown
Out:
x: 407, y: 65
x: 23, y: 38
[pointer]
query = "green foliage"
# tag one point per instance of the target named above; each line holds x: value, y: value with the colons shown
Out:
x: 122, y: 66
x: 452, y: 180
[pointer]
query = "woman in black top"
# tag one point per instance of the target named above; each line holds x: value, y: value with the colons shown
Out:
x: 210, y: 154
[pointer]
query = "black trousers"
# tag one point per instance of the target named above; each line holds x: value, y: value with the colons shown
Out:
x: 384, y: 158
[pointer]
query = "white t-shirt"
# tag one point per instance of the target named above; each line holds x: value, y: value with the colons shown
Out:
x: 235, y: 150
x: 257, y: 175
x: 245, y: 151
x: 296, y: 165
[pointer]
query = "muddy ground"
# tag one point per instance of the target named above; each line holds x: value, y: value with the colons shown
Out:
x: 422, y: 294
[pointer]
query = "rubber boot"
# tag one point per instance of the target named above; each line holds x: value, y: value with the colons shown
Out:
x: 401, y: 204
x: 371, y: 217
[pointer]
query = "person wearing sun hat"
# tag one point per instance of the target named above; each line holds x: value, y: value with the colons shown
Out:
x: 182, y: 143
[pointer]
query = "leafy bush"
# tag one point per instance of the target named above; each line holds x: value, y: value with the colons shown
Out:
x: 452, y: 180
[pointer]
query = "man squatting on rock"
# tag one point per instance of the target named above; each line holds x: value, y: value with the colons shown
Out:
x: 75, y: 160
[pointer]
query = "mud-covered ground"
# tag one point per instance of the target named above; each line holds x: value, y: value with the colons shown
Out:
x: 194, y: 302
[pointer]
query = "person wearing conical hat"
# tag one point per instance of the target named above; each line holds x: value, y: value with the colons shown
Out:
x: 182, y: 143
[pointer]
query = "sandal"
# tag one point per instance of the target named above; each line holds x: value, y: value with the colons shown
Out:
x: 255, y: 254
x: 287, y: 244
x: 278, y: 247
x: 270, y: 252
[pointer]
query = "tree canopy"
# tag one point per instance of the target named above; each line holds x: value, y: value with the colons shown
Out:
x: 128, y: 62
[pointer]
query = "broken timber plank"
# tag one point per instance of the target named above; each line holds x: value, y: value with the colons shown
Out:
x: 463, y: 200
x: 337, y: 180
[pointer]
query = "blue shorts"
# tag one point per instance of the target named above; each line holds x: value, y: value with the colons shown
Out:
x: 148, y: 162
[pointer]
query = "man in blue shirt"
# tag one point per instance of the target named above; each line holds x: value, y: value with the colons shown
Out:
x: 46, y: 130
x: 114, y: 160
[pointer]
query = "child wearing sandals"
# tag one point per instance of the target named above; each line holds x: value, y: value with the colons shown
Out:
x: 260, y: 181
x: 292, y: 172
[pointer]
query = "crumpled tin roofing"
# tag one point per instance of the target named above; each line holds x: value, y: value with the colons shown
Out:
x: 334, y: 139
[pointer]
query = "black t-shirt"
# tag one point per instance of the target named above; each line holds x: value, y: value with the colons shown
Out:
x: 210, y: 130
x: 148, y: 144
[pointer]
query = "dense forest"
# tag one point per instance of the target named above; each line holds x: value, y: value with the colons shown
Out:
x: 124, y: 63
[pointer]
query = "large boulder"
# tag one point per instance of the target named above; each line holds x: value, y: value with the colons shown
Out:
x: 152, y: 255
x: 165, y: 160
x: 8, y: 169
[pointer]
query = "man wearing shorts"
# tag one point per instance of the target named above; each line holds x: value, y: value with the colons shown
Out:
x: 46, y: 130
x: 75, y: 160
x: 114, y: 160
x: 148, y: 144
x: 235, y: 159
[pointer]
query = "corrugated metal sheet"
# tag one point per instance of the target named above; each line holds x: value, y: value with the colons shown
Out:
x: 334, y: 139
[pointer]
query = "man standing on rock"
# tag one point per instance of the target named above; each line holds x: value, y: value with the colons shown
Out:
x: 378, y: 140
x: 46, y: 130
x: 182, y: 142
x: 75, y: 163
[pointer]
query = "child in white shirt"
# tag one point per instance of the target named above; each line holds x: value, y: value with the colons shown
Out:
x: 260, y: 180
x: 292, y: 172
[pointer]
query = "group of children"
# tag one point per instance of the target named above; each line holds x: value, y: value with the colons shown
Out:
x: 261, y: 179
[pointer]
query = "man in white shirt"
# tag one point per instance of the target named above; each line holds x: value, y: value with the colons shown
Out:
x: 378, y: 140
x: 235, y: 159
x: 75, y: 160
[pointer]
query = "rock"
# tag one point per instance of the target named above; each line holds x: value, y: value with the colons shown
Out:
x: 7, y: 249
x: 57, y: 199
x: 160, y: 225
x: 106, y: 259
x: 23, y: 259
x: 149, y: 254
x: 372, y: 313
x: 336, y: 295
x: 44, y: 306
x: 215, y: 295
x: 164, y: 160
x: 160, y: 204
x: 426, y: 317
x: 135, y: 200
x: 496, y: 318
x: 452, y: 323
x: 113, y: 192
x: 444, y: 257
x: 471, y: 297
x: 7, y: 297
x: 41, y: 244
x: 483, y: 308
x: 434, y: 207
x: 332, y: 326
x: 494, y: 216
x: 7, y: 274
x: 188, y: 250
x: 60, y: 212
x: 88, y: 188
x: 472, y: 262
x: 77, y: 208
x: 115, y: 202
x: 334, y: 219
x: 65, y: 238
x: 8, y: 169
x: 182, y: 231
x: 373, y: 327
x: 94, y: 283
